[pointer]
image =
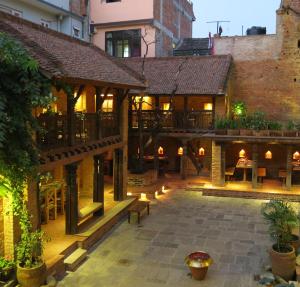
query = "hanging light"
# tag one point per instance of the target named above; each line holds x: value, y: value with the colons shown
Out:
x: 296, y: 155
x: 268, y: 155
x: 242, y: 153
x: 201, y: 151
x: 160, y: 150
x: 180, y: 151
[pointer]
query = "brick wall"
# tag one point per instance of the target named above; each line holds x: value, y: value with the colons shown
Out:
x: 79, y: 7
x: 266, y: 72
x: 216, y: 170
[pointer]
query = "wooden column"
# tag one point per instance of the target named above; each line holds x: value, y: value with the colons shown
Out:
x: 98, y: 188
x: 183, y: 161
x: 254, y: 165
x: 33, y: 203
x: 185, y: 112
x: 155, y: 154
x: 214, y: 113
x: 289, y: 167
x: 72, y: 199
x: 71, y: 120
x: 98, y: 107
x: 130, y: 112
x: 118, y: 175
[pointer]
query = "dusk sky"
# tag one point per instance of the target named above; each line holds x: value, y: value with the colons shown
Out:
x: 239, y: 12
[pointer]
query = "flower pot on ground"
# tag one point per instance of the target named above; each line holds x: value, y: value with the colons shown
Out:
x: 31, y: 269
x: 295, y: 242
x: 198, y: 262
x: 282, y: 218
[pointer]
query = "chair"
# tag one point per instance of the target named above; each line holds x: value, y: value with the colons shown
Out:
x: 282, y: 175
x: 229, y: 173
x: 261, y: 174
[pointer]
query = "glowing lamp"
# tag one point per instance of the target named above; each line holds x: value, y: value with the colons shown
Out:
x: 143, y: 196
x: 296, y: 155
x: 160, y: 151
x: 208, y: 106
x: 129, y: 193
x: 201, y: 151
x: 180, y: 151
x: 268, y: 155
x: 156, y: 194
x: 242, y: 153
x: 163, y: 189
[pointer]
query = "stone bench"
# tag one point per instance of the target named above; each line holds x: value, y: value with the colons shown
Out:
x: 138, y: 208
x: 89, y: 210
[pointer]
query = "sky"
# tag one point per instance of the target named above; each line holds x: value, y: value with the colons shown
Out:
x: 239, y: 12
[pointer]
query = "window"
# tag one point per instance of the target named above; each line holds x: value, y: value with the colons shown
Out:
x: 112, y: 1
x: 76, y: 32
x: 45, y: 23
x: 107, y: 106
x: 123, y: 44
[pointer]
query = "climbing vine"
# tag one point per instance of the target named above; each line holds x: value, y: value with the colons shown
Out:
x: 22, y: 89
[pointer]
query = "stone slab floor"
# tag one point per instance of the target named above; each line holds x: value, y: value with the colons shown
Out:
x: 231, y: 230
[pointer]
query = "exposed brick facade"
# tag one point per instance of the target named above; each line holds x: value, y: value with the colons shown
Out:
x: 1, y: 228
x: 176, y: 17
x: 266, y: 74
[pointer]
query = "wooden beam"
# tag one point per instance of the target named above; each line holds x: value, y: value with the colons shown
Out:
x: 72, y: 199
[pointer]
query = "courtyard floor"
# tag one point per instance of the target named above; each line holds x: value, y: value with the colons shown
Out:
x: 231, y: 230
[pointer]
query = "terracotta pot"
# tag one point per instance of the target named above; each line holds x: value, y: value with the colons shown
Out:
x: 31, y: 277
x: 198, y: 273
x: 283, y: 264
x: 245, y: 132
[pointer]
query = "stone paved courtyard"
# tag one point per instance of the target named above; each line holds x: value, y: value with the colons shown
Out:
x: 232, y: 231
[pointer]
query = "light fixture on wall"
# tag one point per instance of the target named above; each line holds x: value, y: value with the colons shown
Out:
x: 268, y: 155
x: 208, y: 106
x: 296, y: 155
x: 242, y: 153
x: 160, y: 150
x: 180, y: 151
x: 201, y: 151
x: 143, y: 197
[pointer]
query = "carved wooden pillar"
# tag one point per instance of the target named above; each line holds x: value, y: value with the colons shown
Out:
x: 118, y: 175
x: 99, y: 103
x: 71, y: 120
x: 98, y: 190
x: 223, y: 164
x: 71, y: 199
x: 289, y: 168
x: 155, y: 154
x: 254, y: 165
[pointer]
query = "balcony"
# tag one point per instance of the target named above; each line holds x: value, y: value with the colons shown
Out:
x: 87, y: 127
x: 174, y: 120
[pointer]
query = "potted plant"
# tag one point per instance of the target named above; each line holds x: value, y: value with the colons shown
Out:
x: 259, y: 124
x: 275, y: 128
x: 233, y: 128
x: 7, y: 269
x: 281, y: 218
x: 291, y: 130
x: 221, y: 125
x: 31, y: 269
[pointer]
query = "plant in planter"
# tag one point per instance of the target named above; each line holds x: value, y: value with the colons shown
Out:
x: 239, y: 109
x: 258, y: 123
x: 7, y: 269
x: 233, y: 127
x: 281, y: 218
x: 291, y: 130
x: 275, y: 128
x: 221, y: 125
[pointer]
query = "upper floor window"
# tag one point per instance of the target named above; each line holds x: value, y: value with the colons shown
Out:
x: 111, y: 1
x: 76, y: 32
x: 123, y: 44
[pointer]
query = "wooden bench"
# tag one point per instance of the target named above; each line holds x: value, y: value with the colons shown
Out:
x: 138, y: 208
x: 89, y: 210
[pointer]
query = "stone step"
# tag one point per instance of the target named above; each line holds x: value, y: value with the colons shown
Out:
x: 75, y: 259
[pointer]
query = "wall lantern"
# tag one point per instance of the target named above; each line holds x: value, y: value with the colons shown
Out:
x: 180, y: 151
x: 160, y: 150
x: 268, y: 155
x: 143, y: 197
x: 242, y: 153
x: 208, y: 106
x: 201, y: 151
x: 296, y: 155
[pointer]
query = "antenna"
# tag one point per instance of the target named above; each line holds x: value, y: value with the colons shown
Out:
x: 218, y: 23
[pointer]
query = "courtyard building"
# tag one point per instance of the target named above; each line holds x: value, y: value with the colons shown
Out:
x: 125, y: 28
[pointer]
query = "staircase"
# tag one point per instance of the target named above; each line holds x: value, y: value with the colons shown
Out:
x: 192, y: 154
x: 75, y: 259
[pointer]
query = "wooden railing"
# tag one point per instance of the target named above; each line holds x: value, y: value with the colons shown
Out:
x: 88, y: 127
x: 168, y: 120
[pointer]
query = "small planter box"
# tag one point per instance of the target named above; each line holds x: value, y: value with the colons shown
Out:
x: 261, y: 133
x: 233, y: 132
x: 221, y: 132
x: 276, y: 133
x: 290, y: 133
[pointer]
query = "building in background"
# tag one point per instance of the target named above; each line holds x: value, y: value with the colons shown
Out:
x: 70, y: 17
x: 125, y: 28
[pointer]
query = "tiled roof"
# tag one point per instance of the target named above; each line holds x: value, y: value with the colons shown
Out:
x: 199, y: 75
x: 65, y: 57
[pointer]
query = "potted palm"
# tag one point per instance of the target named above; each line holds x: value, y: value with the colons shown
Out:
x: 282, y: 219
x: 31, y: 269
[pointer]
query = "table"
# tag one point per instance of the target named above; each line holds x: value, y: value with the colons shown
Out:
x: 245, y: 164
x: 138, y: 207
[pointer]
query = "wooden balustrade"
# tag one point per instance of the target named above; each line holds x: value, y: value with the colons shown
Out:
x: 88, y: 127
